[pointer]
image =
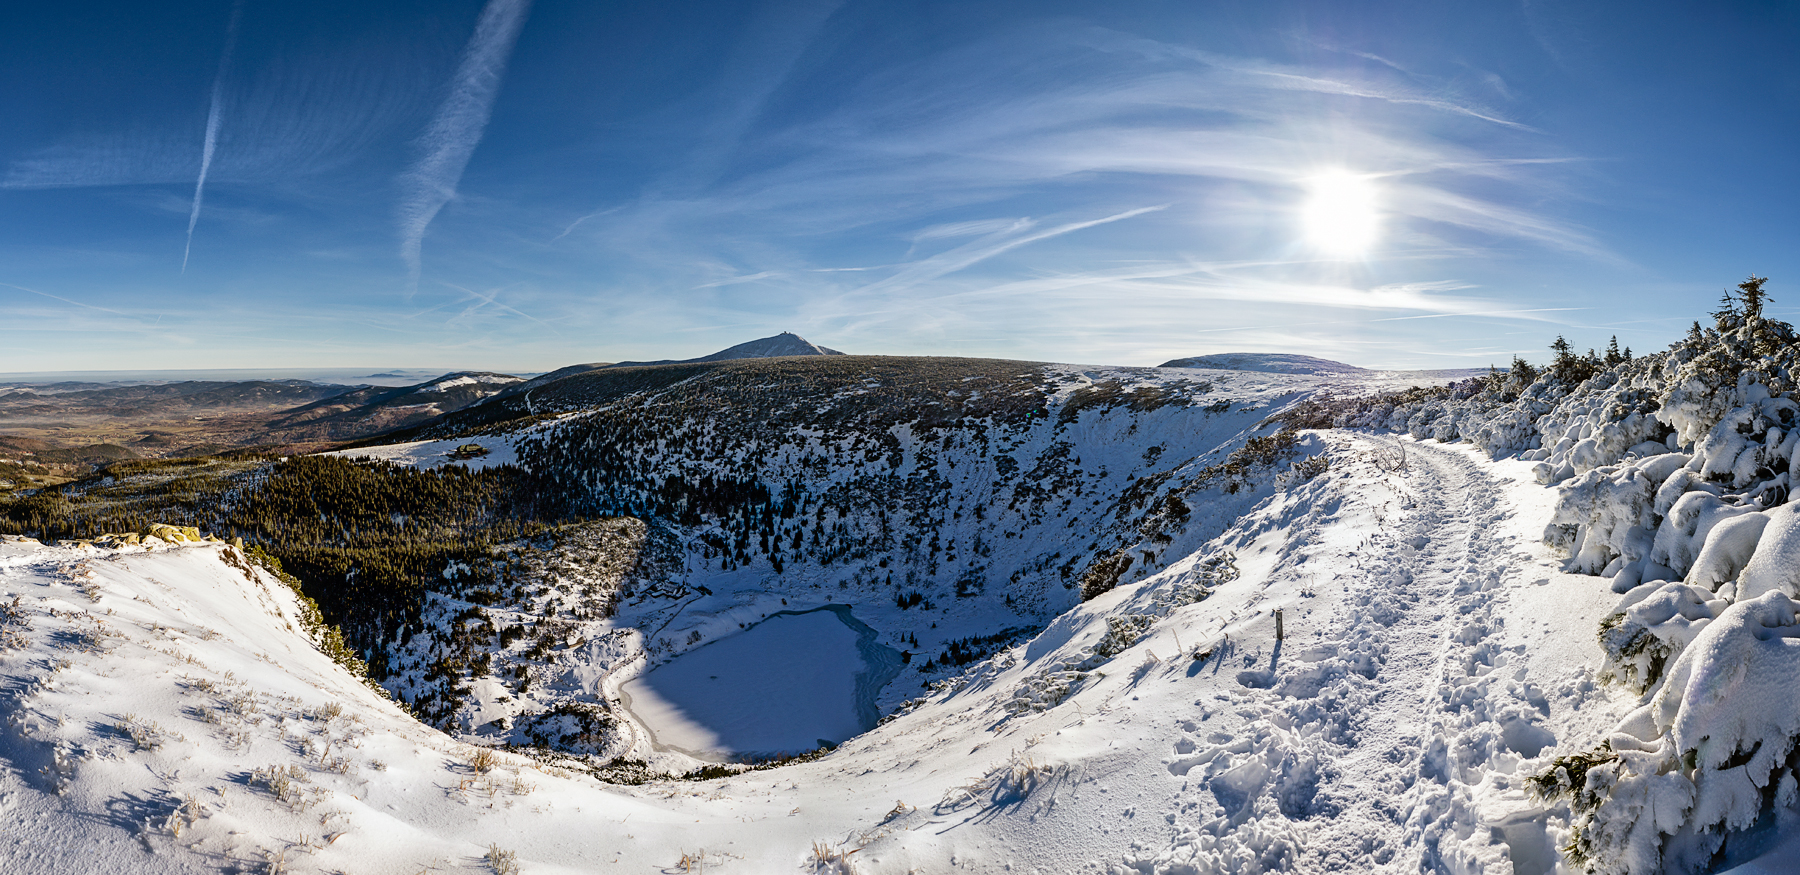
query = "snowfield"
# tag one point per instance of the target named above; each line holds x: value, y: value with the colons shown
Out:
x: 785, y: 685
x: 168, y: 712
x: 432, y: 454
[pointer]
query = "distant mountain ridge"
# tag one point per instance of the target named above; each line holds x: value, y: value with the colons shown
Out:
x: 783, y: 344
x: 1266, y: 362
x: 377, y: 408
x: 1306, y: 365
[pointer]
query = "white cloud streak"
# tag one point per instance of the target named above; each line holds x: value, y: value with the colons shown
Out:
x: 987, y: 247
x: 212, y: 128
x: 573, y: 225
x: 490, y: 298
x: 457, y: 127
x: 736, y: 280
x: 66, y: 300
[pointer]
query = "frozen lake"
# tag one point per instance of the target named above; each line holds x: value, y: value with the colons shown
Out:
x: 788, y: 684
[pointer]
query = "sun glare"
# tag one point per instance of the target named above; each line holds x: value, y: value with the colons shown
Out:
x: 1340, y: 216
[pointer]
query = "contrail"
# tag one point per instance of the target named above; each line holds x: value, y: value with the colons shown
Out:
x: 212, y: 128
x: 66, y: 300
x: 457, y: 127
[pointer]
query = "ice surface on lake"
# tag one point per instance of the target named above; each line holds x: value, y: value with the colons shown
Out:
x: 785, y: 685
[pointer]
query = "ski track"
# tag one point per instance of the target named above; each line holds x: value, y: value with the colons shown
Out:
x: 1388, y: 742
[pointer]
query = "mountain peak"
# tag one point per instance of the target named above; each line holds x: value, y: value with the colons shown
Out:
x: 784, y: 344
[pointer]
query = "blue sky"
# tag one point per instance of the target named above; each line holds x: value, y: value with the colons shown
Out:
x: 520, y: 185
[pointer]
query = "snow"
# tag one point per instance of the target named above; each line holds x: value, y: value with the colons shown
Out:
x: 1772, y: 567
x: 433, y: 454
x: 1405, y: 684
x: 450, y: 382
x: 786, y: 685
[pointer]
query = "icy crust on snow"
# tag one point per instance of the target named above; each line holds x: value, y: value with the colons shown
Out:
x: 788, y: 684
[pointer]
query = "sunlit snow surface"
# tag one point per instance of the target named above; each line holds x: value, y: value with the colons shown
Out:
x: 431, y: 454
x: 791, y: 683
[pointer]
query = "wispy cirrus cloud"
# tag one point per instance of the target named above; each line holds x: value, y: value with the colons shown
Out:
x: 1132, y: 117
x: 1221, y: 145
x: 457, y: 127
x: 211, y: 140
x: 314, y: 108
x: 1017, y: 235
x: 486, y: 300
x: 737, y: 280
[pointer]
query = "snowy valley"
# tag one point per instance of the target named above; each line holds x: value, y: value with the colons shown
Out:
x: 841, y: 613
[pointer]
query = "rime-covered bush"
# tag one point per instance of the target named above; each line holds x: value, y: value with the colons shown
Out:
x: 1652, y: 627
x: 1710, y: 753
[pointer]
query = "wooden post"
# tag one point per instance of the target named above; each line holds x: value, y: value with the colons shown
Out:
x: 1278, y: 635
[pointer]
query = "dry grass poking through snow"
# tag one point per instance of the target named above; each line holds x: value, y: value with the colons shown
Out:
x: 503, y: 862
x: 827, y: 860
x: 1009, y: 783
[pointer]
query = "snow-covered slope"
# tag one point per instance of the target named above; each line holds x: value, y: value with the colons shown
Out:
x: 169, y: 712
x: 373, y: 409
x: 785, y: 487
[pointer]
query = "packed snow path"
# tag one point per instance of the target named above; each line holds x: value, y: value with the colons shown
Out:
x: 1393, y: 729
x: 1420, y: 614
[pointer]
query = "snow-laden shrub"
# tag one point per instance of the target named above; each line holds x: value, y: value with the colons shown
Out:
x: 1303, y: 470
x: 1744, y: 348
x: 1684, y: 531
x: 1775, y: 564
x: 1045, y: 690
x: 1605, y: 513
x: 1198, y: 584
x: 1121, y: 633
x: 1752, y: 441
x: 576, y: 727
x: 1005, y: 784
x: 1509, y: 429
x: 1713, y: 750
x: 1728, y: 548
x: 1652, y: 626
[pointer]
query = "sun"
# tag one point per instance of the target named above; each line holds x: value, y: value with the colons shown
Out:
x: 1340, y: 217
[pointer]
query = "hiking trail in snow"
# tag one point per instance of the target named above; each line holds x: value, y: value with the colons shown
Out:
x: 1394, y: 731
